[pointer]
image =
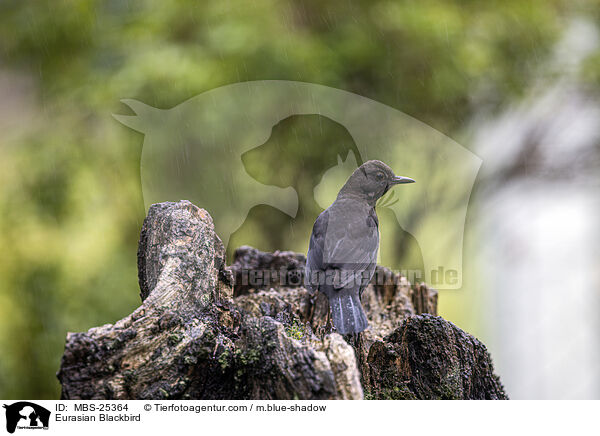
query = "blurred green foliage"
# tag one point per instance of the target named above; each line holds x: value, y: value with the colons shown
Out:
x: 70, y: 201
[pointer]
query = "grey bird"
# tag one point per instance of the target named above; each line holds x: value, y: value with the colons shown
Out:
x: 344, y: 242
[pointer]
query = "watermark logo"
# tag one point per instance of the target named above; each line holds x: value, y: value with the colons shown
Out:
x: 194, y: 151
x: 26, y: 416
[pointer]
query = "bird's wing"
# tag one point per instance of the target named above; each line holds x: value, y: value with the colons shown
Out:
x: 350, y: 245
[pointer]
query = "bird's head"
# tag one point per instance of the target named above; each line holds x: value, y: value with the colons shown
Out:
x: 371, y: 181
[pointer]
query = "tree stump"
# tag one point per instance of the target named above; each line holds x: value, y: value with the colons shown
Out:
x: 252, y: 331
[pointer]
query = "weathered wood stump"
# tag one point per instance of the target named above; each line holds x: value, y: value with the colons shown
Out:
x: 252, y: 331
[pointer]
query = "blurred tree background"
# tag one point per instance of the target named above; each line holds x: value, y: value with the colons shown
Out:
x: 71, y: 205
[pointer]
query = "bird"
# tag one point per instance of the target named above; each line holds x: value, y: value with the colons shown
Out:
x: 343, y: 246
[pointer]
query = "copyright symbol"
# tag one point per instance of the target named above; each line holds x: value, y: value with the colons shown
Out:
x: 147, y: 407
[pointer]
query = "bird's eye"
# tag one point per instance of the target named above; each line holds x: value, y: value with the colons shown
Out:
x: 379, y: 176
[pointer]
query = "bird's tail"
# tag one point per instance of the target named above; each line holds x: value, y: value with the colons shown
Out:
x: 347, y: 313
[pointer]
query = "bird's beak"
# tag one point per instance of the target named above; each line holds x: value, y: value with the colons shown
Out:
x: 398, y: 180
